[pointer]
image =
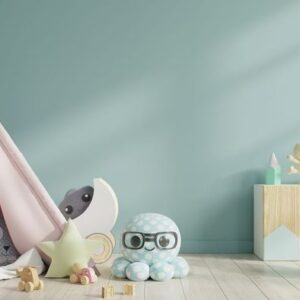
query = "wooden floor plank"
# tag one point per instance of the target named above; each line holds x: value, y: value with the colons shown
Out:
x: 288, y: 270
x: 233, y: 282
x: 171, y: 289
x: 118, y: 286
x: 200, y: 284
x: 91, y: 291
x: 267, y: 280
x: 211, y: 277
x: 54, y: 289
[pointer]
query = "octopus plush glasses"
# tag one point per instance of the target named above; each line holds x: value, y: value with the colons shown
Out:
x: 163, y: 240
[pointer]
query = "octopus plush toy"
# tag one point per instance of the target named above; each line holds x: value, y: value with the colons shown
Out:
x: 150, y: 245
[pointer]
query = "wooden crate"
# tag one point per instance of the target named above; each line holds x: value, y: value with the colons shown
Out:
x: 277, y: 222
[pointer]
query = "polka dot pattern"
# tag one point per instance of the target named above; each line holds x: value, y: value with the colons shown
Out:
x: 119, y: 266
x: 137, y: 271
x: 181, y: 267
x: 161, y: 271
x: 150, y: 260
x: 151, y: 223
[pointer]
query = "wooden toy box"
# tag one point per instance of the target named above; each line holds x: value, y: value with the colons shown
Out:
x: 277, y: 222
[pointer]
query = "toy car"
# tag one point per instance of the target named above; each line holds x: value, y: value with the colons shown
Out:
x: 29, y: 279
x: 84, y: 276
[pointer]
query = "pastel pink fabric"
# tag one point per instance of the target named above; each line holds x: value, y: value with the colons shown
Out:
x: 30, y: 214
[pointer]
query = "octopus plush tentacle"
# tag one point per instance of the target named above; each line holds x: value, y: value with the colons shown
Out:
x: 181, y: 267
x: 162, y: 271
x: 119, y: 266
x: 138, y: 271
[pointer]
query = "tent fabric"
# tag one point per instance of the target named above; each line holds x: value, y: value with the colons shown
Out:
x: 29, y: 258
x: 30, y: 214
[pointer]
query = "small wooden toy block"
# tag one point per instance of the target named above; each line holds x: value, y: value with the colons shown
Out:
x: 29, y: 279
x: 108, y: 291
x: 129, y: 289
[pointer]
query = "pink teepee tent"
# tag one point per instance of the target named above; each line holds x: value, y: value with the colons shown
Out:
x: 29, y: 212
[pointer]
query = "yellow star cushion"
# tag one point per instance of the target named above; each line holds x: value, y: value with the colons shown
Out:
x: 71, y: 248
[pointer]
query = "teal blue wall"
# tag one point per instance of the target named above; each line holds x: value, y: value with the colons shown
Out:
x: 178, y: 104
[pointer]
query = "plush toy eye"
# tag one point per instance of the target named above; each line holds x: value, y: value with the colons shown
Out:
x: 135, y: 241
x: 68, y: 209
x: 166, y: 240
x: 163, y: 241
x: 86, y: 197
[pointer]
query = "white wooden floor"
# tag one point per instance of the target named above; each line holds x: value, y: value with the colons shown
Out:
x: 211, y: 277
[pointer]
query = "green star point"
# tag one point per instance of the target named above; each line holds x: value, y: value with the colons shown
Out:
x: 71, y: 248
